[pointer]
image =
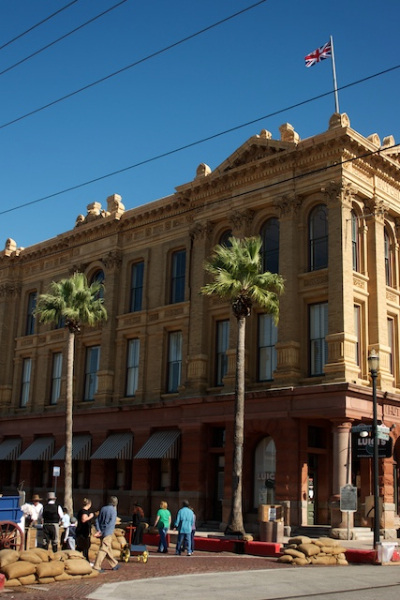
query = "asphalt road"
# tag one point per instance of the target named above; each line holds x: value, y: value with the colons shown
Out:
x: 355, y: 582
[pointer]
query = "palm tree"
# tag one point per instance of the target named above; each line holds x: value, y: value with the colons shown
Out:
x: 236, y: 268
x: 75, y: 303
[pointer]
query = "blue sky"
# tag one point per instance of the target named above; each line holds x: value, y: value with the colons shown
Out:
x: 238, y: 72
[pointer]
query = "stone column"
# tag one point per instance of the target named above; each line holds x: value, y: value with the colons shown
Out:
x: 341, y: 474
x: 198, y: 346
x: 112, y: 262
x: 341, y: 339
x: 288, y: 369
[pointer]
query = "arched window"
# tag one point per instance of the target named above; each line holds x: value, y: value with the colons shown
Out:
x: 388, y: 259
x: 355, y: 242
x: 264, y: 472
x: 270, y: 247
x: 98, y: 277
x: 224, y: 239
x: 318, y: 238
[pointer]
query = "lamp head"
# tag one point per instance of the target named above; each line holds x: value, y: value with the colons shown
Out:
x: 373, y: 360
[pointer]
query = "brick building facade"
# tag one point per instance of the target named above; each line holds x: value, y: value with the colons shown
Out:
x: 153, y: 386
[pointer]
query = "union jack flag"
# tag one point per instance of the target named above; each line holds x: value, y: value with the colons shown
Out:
x: 320, y: 54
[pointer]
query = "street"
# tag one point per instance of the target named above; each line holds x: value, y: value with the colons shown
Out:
x: 368, y: 582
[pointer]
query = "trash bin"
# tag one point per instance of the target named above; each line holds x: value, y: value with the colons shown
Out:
x: 384, y: 551
x: 271, y: 531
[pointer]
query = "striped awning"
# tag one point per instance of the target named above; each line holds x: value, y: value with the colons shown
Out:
x: 10, y: 449
x: 117, y: 445
x: 40, y: 449
x: 161, y: 444
x: 81, y: 448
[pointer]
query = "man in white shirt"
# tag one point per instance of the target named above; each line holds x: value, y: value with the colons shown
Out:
x: 33, y: 510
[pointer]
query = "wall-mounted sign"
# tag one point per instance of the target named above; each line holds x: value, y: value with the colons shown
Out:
x: 364, y: 447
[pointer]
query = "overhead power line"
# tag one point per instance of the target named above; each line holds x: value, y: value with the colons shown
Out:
x: 20, y: 62
x: 211, y: 137
x: 135, y: 64
x: 37, y: 24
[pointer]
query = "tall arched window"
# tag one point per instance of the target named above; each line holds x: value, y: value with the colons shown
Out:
x: 264, y: 472
x: 98, y: 277
x: 318, y: 238
x: 355, y: 244
x: 388, y: 259
x: 224, y: 239
x: 270, y: 247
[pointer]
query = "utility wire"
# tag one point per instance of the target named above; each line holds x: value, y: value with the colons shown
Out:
x: 135, y: 64
x: 191, y: 144
x: 264, y: 187
x: 37, y: 25
x: 61, y: 38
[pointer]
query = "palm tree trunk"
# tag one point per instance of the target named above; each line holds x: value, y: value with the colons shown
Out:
x: 235, y: 524
x: 68, y: 501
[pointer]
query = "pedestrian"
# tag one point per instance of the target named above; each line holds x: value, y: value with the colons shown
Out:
x: 32, y: 510
x: 83, y: 529
x: 183, y: 547
x: 52, y: 516
x: 105, y: 525
x: 70, y: 535
x: 65, y: 523
x: 184, y: 523
x: 137, y: 522
x: 163, y: 523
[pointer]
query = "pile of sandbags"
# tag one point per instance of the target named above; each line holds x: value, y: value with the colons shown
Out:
x: 43, y: 566
x: 302, y: 550
x: 118, y: 542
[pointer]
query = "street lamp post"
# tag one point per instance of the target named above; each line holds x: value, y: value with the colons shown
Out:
x: 373, y: 363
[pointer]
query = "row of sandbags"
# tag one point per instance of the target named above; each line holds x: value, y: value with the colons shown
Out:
x: 303, y: 550
x: 37, y: 565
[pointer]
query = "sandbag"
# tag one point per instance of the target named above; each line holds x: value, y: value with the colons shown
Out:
x: 285, y: 558
x: 19, y: 569
x: 119, y: 532
x: 95, y: 540
x: 60, y: 555
x: 121, y: 541
x: 7, y: 557
x: 29, y: 556
x: 300, y: 539
x: 309, y: 549
x: 76, y: 566
x: 115, y: 553
x: 333, y: 550
x: 50, y: 569
x: 327, y: 541
x: 74, y: 554
x: 46, y: 580
x: 94, y: 573
x: 28, y: 580
x: 323, y: 560
x: 115, y: 545
x: 300, y: 561
x: 12, y: 583
x: 294, y: 553
x: 44, y: 554
x: 63, y: 577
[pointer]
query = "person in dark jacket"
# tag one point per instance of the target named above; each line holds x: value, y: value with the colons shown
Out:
x: 52, y: 516
x: 137, y: 521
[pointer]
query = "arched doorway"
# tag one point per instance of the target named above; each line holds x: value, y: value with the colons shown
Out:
x: 264, y: 472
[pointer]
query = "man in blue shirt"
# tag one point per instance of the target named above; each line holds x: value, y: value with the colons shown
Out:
x: 184, y: 524
x: 105, y: 524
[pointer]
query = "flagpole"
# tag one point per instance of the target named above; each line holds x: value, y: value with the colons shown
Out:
x: 334, y: 78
